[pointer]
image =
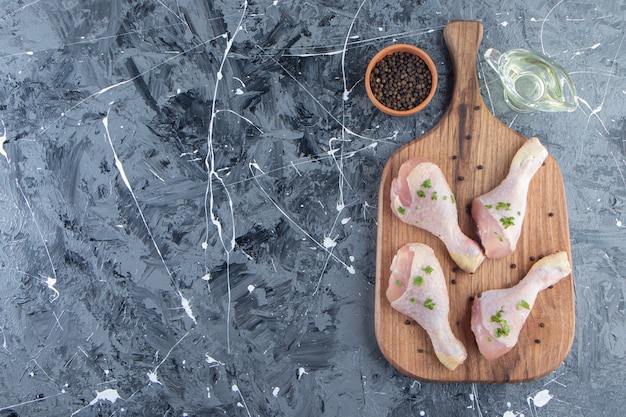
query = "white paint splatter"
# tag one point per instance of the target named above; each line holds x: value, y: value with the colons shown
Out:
x: 332, y: 151
x: 509, y: 414
x: 346, y: 93
x: 51, y: 282
x: 301, y: 371
x: 543, y: 50
x: 541, y: 398
x: 505, y: 23
x: 3, y: 139
x: 153, y: 377
x: 212, y: 361
x: 239, y: 92
x: 275, y: 391
x: 241, y: 403
x: 4, y: 340
x: 255, y: 167
x: 619, y: 223
x: 187, y: 307
x: 213, y: 175
x: 345, y: 220
x: 251, y: 288
x: 206, y: 278
x: 329, y: 243
x: 120, y: 167
x: 110, y: 395
x: 243, y: 85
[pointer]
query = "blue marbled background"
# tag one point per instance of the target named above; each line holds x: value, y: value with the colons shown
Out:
x: 188, y: 196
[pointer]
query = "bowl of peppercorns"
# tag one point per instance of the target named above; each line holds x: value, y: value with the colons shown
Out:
x: 401, y: 79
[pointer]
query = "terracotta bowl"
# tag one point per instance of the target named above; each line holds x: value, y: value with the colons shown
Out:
x: 388, y: 51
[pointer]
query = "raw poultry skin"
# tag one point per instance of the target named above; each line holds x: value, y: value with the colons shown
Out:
x: 499, y: 315
x: 420, y: 196
x: 499, y: 214
x: 417, y: 288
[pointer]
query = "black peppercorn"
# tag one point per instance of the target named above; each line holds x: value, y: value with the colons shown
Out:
x: 401, y: 81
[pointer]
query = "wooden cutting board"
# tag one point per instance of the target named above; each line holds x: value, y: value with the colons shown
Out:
x: 474, y: 150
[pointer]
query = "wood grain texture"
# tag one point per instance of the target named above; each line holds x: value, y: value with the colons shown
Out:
x: 474, y: 150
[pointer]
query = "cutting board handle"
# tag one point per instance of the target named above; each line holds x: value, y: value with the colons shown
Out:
x: 463, y: 38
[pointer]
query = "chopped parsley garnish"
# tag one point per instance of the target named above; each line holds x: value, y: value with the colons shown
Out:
x: 429, y: 304
x: 507, y: 222
x: 434, y: 196
x: 488, y: 206
x: 398, y: 283
x: 504, y: 329
x: 413, y: 300
x: 428, y: 269
x: 401, y: 210
x: 452, y: 198
x: 505, y: 206
x: 418, y: 281
x: 421, y: 193
x: 523, y: 304
x: 499, y: 236
x: 426, y: 184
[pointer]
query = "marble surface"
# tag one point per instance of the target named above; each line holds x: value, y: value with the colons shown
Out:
x: 189, y: 200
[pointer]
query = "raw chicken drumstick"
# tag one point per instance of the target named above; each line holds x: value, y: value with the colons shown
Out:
x: 498, y: 315
x: 417, y: 288
x: 499, y: 214
x: 420, y: 196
